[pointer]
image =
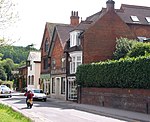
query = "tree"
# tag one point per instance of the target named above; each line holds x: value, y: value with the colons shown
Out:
x: 1, y: 56
x: 2, y: 73
x: 123, y: 46
x: 139, y: 49
x: 8, y: 16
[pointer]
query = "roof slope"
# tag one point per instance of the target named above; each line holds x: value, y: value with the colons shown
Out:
x: 34, y: 56
x: 125, y: 12
x: 50, y: 27
x: 131, y: 10
x: 63, y: 31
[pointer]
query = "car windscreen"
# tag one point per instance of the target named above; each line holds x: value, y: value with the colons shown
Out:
x: 37, y: 91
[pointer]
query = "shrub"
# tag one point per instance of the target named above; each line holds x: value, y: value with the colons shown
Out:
x: 139, y: 49
x: 123, y: 46
x: 123, y: 73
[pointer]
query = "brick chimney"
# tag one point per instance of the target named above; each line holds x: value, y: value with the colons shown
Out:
x: 74, y: 19
x: 110, y: 5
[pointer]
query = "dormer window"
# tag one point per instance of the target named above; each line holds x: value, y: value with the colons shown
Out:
x: 135, y: 19
x: 74, y: 38
x: 147, y: 19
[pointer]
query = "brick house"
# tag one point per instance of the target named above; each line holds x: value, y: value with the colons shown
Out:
x: 21, y: 77
x: 94, y: 39
x: 59, y: 85
x: 45, y: 64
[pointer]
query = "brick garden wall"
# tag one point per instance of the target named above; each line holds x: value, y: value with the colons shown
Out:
x: 129, y: 99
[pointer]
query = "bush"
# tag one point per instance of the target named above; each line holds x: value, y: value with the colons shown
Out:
x: 139, y: 49
x: 123, y: 46
x: 123, y: 73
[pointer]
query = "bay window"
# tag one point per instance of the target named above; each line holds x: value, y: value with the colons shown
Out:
x: 75, y: 62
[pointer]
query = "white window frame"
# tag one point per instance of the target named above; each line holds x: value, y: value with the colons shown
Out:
x: 75, y: 62
x: 63, y: 85
x: 135, y: 19
x: 147, y: 19
x: 74, y: 40
x: 53, y: 85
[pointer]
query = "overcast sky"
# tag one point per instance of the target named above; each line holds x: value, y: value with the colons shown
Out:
x: 33, y: 15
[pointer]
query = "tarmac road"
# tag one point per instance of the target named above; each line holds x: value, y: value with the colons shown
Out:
x: 54, y: 111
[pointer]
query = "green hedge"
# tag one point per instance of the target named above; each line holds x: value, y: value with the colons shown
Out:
x: 123, y: 73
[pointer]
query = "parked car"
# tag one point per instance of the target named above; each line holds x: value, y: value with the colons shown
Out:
x: 39, y: 94
x: 5, y: 91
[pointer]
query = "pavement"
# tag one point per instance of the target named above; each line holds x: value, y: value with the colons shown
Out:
x: 109, y: 112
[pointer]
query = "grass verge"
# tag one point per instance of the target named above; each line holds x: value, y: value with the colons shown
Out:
x: 7, y: 114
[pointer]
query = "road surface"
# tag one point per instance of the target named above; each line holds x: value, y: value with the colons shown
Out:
x: 55, y: 111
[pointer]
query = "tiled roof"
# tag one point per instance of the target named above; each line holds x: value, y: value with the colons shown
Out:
x: 63, y: 32
x: 83, y: 25
x: 131, y: 10
x: 96, y: 16
x: 125, y: 12
x: 50, y: 27
x: 34, y: 56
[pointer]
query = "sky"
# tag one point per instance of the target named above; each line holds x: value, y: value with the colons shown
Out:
x: 33, y: 14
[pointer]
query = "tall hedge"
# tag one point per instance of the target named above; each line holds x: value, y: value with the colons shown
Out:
x: 123, y: 73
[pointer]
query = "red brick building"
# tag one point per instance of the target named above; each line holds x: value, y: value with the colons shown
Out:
x: 58, y: 73
x: 22, y: 78
x: 94, y: 39
x: 66, y: 46
x: 45, y: 62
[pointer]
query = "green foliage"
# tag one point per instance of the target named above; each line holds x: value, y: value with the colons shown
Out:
x: 123, y: 46
x: 11, y: 57
x: 9, y: 115
x: 8, y: 67
x: 3, y: 75
x: 1, y: 56
x: 16, y: 53
x: 123, y: 73
x: 139, y: 49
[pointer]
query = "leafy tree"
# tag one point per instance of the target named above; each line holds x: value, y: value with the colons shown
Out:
x: 2, y: 73
x: 123, y: 46
x: 8, y: 67
x: 1, y: 56
x: 17, y: 53
x: 139, y: 49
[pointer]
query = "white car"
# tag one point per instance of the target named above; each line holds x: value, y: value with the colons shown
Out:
x: 39, y: 94
x: 5, y: 91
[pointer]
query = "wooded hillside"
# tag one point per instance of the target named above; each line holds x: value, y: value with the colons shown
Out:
x: 17, y: 53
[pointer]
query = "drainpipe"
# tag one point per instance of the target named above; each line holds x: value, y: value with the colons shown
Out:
x: 67, y: 73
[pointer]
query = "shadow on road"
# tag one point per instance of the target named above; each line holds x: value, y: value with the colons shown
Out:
x: 50, y: 102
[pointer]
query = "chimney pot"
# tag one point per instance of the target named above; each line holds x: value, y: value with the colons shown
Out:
x: 77, y: 13
x: 110, y: 5
x: 74, y: 19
